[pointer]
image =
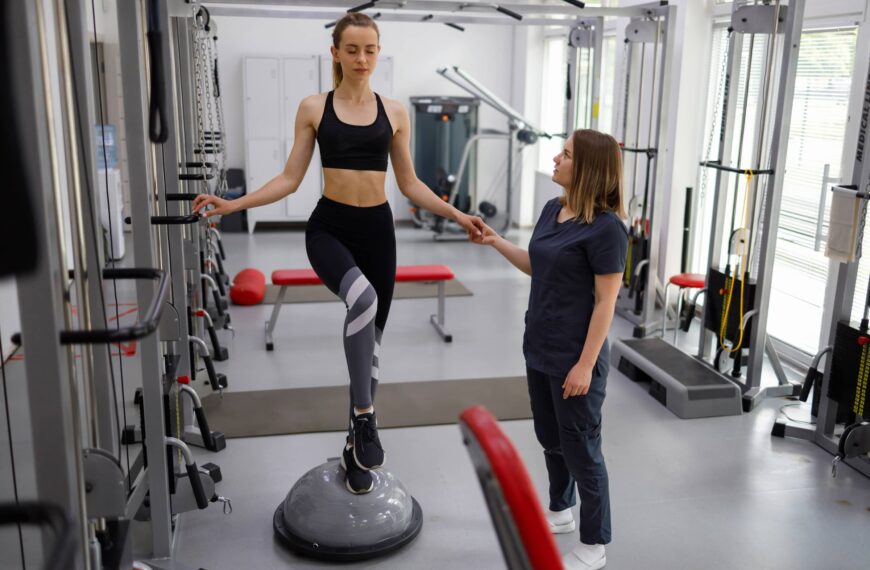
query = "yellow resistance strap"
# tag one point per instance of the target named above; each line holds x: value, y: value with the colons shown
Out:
x: 744, y: 253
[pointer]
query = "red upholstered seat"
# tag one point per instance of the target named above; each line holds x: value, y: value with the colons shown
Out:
x: 493, y: 453
x: 295, y: 277
x: 249, y: 287
x: 689, y: 280
x: 403, y: 273
x: 423, y: 273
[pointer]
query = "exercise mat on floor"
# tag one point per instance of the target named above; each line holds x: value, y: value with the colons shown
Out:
x: 407, y: 290
x: 399, y: 404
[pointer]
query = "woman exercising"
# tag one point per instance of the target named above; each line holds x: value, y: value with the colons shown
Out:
x: 350, y: 237
x: 576, y: 258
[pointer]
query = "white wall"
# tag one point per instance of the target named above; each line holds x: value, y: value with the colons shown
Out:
x: 417, y: 50
x: 528, y: 75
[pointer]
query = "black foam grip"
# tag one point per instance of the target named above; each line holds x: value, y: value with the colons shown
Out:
x: 217, y: 301
x: 223, y: 253
x: 808, y: 384
x: 221, y: 286
x: 158, y: 130
x: 576, y: 3
x: 196, y: 485
x: 212, y: 375
x: 222, y: 274
x: 215, y: 342
x: 189, y: 176
x: 183, y: 197
x: 204, y: 430
x: 217, y: 83
x: 510, y: 13
x: 568, y: 94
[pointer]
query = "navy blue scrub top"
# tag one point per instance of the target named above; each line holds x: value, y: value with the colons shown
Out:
x: 565, y: 259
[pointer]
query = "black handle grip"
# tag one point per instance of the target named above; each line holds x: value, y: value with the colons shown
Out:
x: 455, y: 26
x: 223, y: 253
x: 576, y: 3
x: 204, y: 430
x: 158, y: 130
x: 568, y: 94
x: 187, y: 176
x: 45, y: 514
x: 650, y: 152
x: 201, y: 164
x: 183, y: 197
x: 196, y: 485
x: 140, y: 329
x: 217, y: 83
x: 808, y: 384
x: 632, y: 284
x: 716, y: 165
x: 217, y: 301
x: 174, y: 220
x: 212, y: 374
x: 510, y: 13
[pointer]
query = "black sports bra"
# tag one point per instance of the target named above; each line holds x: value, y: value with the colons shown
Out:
x: 354, y: 147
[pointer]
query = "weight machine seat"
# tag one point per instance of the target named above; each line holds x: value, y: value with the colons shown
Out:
x: 404, y: 273
x: 514, y: 505
x: 689, y: 280
x: 438, y: 274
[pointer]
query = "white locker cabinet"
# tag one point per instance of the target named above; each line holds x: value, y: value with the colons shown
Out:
x: 274, y: 87
x: 301, y: 79
x: 262, y: 98
x: 265, y: 159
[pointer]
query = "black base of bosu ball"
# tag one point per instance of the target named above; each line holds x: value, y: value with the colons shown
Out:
x: 321, y: 519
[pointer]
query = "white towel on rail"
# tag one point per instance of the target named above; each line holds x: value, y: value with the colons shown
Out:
x: 843, y: 228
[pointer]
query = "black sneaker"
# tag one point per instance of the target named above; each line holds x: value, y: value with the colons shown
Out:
x: 367, y: 450
x: 358, y: 481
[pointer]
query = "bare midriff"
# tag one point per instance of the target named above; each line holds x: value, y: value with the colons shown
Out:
x: 361, y: 188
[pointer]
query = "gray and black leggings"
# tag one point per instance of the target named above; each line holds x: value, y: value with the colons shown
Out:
x: 353, y: 251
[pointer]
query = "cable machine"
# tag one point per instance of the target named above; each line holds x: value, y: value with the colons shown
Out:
x: 583, y: 88
x: 839, y: 388
x: 647, y: 48
x: 91, y: 476
x: 747, y: 191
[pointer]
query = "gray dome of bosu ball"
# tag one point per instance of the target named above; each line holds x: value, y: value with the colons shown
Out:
x: 321, y: 519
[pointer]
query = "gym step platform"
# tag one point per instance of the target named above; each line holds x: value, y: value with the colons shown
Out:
x: 684, y: 384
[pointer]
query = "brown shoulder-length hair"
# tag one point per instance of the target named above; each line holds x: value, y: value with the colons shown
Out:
x: 596, y: 180
x: 350, y: 19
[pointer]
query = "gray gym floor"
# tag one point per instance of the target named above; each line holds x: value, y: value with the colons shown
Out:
x: 715, y: 493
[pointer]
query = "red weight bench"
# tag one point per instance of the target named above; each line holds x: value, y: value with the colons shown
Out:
x: 404, y: 273
x: 516, y: 512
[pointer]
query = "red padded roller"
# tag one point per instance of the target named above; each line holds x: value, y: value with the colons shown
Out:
x: 500, y: 458
x: 249, y: 287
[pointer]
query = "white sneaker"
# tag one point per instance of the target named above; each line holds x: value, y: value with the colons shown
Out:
x: 585, y: 557
x: 560, y: 522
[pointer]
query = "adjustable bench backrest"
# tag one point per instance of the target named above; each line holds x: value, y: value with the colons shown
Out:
x: 513, y: 504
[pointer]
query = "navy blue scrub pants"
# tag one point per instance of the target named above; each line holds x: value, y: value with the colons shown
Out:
x: 570, y: 433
